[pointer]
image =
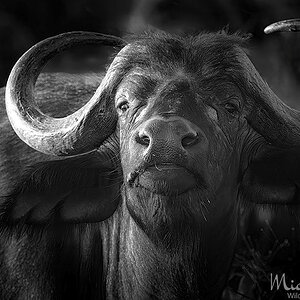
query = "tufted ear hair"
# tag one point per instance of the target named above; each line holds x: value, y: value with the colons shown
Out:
x: 273, y: 177
x: 81, y: 189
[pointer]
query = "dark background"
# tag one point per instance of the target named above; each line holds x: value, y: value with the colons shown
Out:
x: 269, y: 241
x: 277, y: 57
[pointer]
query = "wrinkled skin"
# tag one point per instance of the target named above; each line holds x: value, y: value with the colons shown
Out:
x: 193, y: 144
x: 180, y: 150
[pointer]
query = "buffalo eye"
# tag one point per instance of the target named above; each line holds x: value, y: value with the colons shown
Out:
x: 123, y: 106
x: 232, y: 108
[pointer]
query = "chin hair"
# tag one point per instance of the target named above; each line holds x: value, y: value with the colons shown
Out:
x: 174, y: 223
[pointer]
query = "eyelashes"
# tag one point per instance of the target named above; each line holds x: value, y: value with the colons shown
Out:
x: 232, y: 108
x: 231, y: 104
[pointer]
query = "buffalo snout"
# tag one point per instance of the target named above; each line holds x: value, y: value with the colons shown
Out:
x: 165, y: 152
x: 169, y: 139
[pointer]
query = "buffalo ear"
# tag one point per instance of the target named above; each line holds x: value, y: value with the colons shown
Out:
x: 273, y: 178
x: 83, y: 189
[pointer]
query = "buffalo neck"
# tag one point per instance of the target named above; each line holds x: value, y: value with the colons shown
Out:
x: 137, y: 268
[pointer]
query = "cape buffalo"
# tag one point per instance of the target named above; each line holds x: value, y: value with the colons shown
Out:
x: 180, y: 133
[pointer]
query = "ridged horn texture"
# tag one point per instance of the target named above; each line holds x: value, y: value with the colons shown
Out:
x: 277, y: 122
x: 286, y: 25
x: 80, y: 132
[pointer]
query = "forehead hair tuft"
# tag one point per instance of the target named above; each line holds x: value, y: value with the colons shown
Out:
x: 204, y: 52
x: 222, y: 37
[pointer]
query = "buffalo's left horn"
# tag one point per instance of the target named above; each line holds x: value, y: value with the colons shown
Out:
x: 286, y: 25
x: 77, y: 133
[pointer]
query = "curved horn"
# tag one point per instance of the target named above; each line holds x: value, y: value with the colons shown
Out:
x: 286, y: 25
x: 77, y: 133
x: 278, y: 123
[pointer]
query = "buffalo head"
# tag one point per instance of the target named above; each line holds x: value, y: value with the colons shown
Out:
x: 197, y: 130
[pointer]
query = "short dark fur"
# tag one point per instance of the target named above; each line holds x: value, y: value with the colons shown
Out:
x: 219, y: 51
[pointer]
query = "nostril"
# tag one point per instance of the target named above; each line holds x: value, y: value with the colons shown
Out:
x: 143, y: 139
x: 190, y: 140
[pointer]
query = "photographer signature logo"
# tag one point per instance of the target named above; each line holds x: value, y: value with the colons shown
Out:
x: 279, y: 282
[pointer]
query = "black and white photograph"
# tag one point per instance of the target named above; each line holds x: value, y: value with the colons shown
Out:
x: 149, y: 149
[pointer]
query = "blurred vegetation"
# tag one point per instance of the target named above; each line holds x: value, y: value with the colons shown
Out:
x: 268, y: 243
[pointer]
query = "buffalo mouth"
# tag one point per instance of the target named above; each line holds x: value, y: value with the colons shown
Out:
x: 164, y: 179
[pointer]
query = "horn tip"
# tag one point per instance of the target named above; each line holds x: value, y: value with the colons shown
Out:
x: 285, y: 25
x: 268, y: 30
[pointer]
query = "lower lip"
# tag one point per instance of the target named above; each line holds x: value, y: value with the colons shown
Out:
x: 167, y: 179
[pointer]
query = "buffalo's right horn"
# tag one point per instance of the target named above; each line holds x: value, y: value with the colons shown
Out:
x: 286, y: 25
x: 77, y: 133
